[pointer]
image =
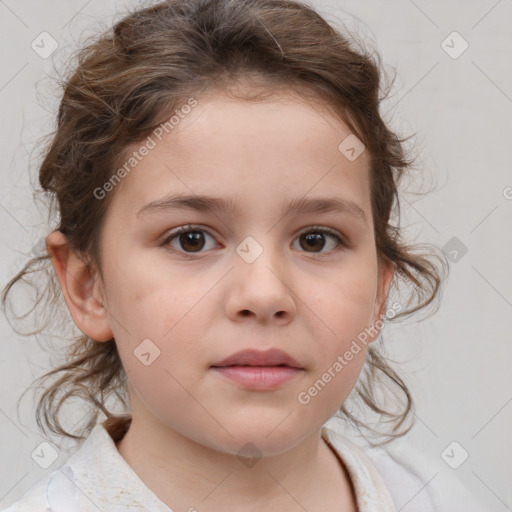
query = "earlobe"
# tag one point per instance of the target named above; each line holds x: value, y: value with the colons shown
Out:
x: 82, y: 289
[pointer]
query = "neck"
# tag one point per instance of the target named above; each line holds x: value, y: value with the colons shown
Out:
x: 185, y: 474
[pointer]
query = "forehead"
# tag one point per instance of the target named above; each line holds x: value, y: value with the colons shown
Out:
x: 248, y: 150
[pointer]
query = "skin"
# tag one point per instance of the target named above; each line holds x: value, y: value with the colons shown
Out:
x: 189, y: 423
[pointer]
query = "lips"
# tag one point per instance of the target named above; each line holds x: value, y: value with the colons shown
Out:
x: 256, y: 370
x: 253, y: 357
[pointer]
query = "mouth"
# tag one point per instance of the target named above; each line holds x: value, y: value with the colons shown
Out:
x: 257, y: 370
x: 252, y: 357
x: 258, y: 377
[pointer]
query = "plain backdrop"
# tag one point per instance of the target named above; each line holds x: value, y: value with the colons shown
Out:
x: 454, y: 91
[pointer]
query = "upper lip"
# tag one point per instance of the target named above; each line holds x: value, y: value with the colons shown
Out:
x: 254, y: 357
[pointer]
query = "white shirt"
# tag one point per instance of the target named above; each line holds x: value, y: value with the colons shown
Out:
x: 97, y: 478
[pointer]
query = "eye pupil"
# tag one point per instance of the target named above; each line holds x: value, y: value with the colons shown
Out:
x: 193, y: 237
x: 313, y: 238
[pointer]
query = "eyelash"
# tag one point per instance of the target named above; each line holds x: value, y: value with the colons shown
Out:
x: 341, y: 242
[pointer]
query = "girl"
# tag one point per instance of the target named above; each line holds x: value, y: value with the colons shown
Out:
x: 252, y: 130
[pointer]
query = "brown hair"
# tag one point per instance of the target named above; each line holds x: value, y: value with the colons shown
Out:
x: 133, y: 77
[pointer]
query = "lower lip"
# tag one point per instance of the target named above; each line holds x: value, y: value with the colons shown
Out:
x: 258, y: 377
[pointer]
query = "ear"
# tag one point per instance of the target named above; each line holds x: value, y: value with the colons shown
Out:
x: 82, y: 289
x: 385, y: 277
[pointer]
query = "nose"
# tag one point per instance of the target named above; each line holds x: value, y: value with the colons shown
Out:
x: 261, y: 289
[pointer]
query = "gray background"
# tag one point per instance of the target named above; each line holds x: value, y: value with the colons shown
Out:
x: 457, y: 362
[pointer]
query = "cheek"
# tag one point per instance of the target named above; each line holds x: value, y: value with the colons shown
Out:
x: 339, y: 312
x: 159, y: 321
x: 343, y: 303
x: 156, y: 300
x: 163, y: 354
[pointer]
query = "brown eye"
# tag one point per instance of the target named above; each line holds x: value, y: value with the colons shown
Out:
x: 191, y: 241
x: 188, y: 239
x: 314, y: 241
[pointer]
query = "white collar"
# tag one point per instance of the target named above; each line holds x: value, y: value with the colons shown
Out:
x: 98, y: 462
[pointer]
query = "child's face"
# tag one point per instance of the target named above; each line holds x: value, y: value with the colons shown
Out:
x: 203, y: 299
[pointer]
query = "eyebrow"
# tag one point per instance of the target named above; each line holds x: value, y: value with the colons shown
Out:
x: 202, y: 203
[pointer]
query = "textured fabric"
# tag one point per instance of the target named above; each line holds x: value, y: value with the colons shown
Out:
x: 96, y: 477
x: 371, y: 492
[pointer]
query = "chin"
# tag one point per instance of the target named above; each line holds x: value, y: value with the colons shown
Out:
x: 256, y: 440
